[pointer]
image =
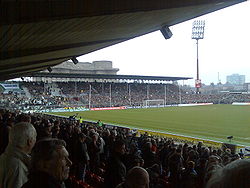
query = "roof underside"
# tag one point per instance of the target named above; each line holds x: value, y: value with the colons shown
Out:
x: 37, y: 34
x: 107, y: 76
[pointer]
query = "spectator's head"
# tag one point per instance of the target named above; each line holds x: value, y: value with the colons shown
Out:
x: 178, y: 150
x: 51, y: 156
x: 199, y: 144
x: 141, y: 162
x: 55, y: 130
x: 147, y: 146
x: 23, y: 136
x: 214, y: 152
x: 95, y: 137
x: 81, y: 137
x: 106, y: 133
x: 119, y: 147
x: 154, y: 172
x: 213, y: 159
x: 137, y: 177
x: 202, y: 163
x: 235, y: 174
x: 219, y: 152
x: 57, y: 123
x: 25, y: 118
x: 235, y: 157
x: 153, y: 141
x: 228, y: 151
x: 11, y: 122
x: 190, y: 164
x: 206, y: 152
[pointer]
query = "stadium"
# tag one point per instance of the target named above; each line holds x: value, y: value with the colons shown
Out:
x: 136, y: 104
x: 113, y: 124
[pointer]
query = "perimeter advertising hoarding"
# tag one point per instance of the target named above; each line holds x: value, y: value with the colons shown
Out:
x: 109, y: 108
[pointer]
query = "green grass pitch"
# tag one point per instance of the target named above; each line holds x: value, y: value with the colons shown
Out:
x: 214, y: 122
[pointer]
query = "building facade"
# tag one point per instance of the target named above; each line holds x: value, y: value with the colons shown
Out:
x: 68, y: 67
x: 236, y: 79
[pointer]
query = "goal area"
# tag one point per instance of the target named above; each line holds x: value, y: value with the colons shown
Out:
x: 154, y: 103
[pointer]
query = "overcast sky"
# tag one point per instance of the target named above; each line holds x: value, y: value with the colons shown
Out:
x: 225, y: 49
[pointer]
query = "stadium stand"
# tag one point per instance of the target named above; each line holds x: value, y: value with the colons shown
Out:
x: 33, y: 40
x: 71, y: 94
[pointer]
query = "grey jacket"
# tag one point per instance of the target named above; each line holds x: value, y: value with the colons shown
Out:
x: 13, y: 168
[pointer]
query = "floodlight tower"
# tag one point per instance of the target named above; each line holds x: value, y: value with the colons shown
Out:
x: 198, y: 33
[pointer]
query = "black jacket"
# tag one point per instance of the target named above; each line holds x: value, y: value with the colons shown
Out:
x: 116, y: 171
x: 40, y: 179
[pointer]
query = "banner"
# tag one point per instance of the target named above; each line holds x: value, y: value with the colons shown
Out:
x: 10, y: 86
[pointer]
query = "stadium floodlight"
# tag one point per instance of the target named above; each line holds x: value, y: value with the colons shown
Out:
x: 197, y: 34
x: 74, y: 60
x: 198, y: 29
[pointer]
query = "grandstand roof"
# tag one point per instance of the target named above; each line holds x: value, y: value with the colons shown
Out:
x: 107, y: 76
x: 38, y: 34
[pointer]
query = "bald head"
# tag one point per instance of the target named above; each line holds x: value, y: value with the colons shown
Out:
x: 137, y: 177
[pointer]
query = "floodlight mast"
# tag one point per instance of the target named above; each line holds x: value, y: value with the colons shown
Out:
x: 198, y: 33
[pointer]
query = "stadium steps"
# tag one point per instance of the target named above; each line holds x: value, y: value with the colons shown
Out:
x: 56, y: 91
x: 26, y: 91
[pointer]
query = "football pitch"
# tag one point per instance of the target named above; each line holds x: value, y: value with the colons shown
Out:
x: 215, y: 122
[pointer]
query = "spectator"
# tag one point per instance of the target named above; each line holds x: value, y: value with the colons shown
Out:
x: 189, y: 176
x: 175, y: 163
x: 148, y: 155
x: 235, y: 174
x: 165, y: 160
x: 50, y: 164
x: 116, y: 170
x: 201, y: 171
x: 80, y: 157
x: 25, y: 118
x: 133, y: 157
x: 137, y: 177
x: 154, y: 175
x: 94, y: 152
x: 15, y: 160
x: 4, y: 137
x: 212, y: 165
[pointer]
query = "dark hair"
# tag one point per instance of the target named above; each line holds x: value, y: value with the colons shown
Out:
x: 118, y: 143
x: 81, y: 135
x: 44, y: 150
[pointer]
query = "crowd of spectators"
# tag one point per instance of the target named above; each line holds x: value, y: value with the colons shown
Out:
x: 22, y: 102
x: 69, y: 154
x: 109, y: 95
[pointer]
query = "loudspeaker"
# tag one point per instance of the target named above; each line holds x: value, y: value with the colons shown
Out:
x: 166, y: 32
x: 49, y: 69
x: 74, y: 60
